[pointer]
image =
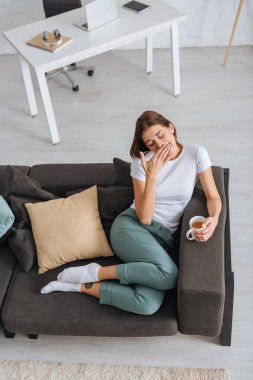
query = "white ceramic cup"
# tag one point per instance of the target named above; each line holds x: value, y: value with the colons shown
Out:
x: 192, y: 229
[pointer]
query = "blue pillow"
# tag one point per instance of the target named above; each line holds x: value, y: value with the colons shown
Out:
x: 6, y: 217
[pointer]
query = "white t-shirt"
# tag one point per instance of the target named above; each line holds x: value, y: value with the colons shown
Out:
x: 174, y: 183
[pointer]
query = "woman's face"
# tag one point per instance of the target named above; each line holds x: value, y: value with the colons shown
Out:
x: 156, y: 136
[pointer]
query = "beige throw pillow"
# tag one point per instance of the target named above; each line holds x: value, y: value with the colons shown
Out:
x: 68, y: 229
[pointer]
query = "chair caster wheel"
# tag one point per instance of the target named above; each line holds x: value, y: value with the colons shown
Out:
x: 90, y: 73
x: 75, y: 88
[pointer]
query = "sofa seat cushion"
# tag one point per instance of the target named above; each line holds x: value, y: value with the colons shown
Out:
x: 26, y: 310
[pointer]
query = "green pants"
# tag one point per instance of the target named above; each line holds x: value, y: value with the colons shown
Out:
x: 148, y: 270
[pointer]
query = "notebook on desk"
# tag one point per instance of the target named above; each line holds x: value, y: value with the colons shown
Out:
x: 98, y: 13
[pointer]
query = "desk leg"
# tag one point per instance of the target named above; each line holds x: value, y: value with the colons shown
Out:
x: 175, y: 59
x: 149, y: 54
x: 48, y: 107
x: 28, y: 86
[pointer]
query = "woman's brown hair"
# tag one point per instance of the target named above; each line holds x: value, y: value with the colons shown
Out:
x: 146, y: 120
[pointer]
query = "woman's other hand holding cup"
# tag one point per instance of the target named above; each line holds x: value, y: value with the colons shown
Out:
x: 208, y: 226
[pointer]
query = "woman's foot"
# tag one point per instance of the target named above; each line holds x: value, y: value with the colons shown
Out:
x: 79, y: 275
x: 56, y: 286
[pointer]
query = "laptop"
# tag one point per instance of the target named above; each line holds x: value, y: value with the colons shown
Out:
x: 98, y: 13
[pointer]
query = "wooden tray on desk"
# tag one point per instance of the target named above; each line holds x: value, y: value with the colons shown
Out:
x: 38, y: 42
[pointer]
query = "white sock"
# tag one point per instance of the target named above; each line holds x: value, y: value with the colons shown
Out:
x: 80, y: 275
x: 56, y: 286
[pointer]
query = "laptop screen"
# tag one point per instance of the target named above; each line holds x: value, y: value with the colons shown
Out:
x: 100, y: 12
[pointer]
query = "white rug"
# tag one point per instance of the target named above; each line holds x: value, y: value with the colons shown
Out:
x: 26, y: 370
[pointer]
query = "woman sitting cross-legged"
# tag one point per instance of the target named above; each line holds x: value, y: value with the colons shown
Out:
x: 164, y: 174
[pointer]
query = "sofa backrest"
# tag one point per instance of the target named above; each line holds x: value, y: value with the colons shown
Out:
x: 113, y: 180
x: 62, y: 178
x: 59, y: 178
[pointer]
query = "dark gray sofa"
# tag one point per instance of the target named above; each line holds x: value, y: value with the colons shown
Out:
x: 202, y: 304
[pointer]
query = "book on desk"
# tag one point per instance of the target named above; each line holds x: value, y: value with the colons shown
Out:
x: 52, y: 44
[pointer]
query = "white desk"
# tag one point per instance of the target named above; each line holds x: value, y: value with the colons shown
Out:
x: 127, y: 28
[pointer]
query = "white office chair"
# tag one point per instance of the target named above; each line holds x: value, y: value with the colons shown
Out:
x: 56, y: 7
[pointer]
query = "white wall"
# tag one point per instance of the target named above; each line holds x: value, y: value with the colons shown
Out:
x: 209, y: 22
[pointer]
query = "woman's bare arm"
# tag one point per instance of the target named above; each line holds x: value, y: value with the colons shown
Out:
x: 145, y: 191
x: 213, y: 204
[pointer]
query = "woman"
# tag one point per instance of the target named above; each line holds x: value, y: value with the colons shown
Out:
x: 164, y: 174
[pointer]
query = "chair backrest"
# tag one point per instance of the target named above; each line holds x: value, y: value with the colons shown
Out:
x: 56, y: 7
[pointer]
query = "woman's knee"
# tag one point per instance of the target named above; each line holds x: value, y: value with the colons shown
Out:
x: 149, y: 308
x: 170, y: 276
x: 173, y: 276
x: 150, y: 303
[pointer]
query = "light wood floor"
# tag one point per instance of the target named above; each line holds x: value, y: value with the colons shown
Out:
x: 215, y: 110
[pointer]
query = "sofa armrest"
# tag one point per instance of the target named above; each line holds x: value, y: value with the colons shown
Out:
x: 201, y: 283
